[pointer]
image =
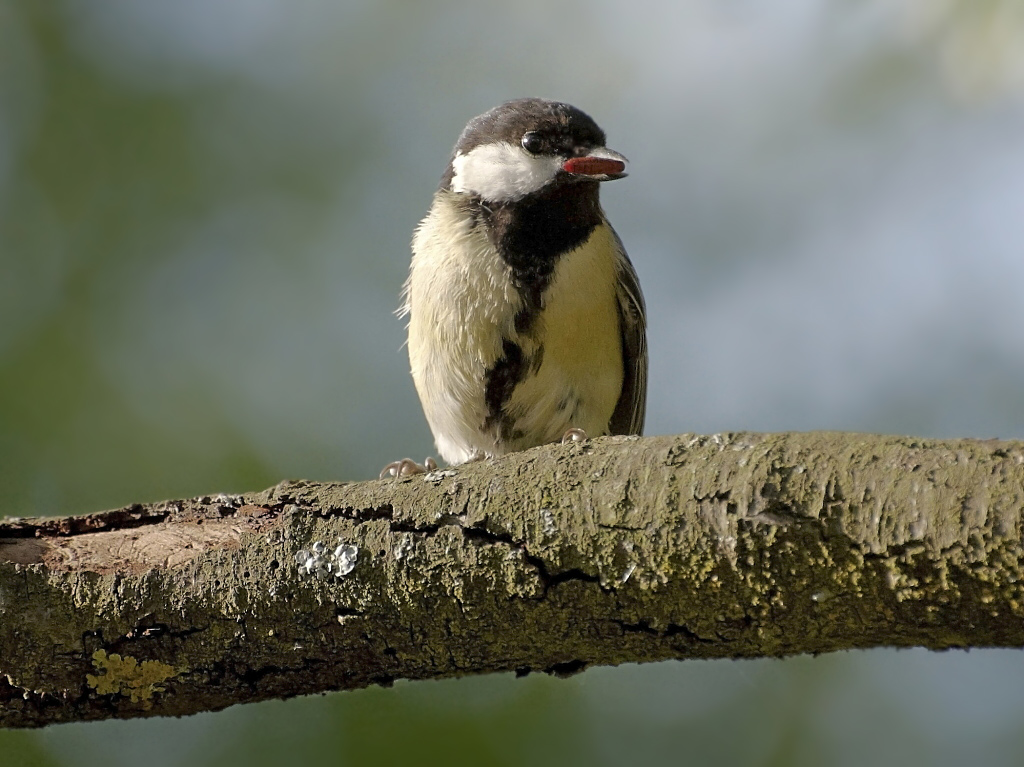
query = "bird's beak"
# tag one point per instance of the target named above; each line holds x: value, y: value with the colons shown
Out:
x: 599, y: 164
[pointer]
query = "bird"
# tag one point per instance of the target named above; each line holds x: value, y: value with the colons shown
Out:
x: 526, y: 322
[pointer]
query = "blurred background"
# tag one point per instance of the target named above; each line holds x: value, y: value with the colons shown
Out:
x: 205, y: 211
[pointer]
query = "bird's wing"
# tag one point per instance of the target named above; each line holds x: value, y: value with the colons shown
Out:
x: 628, y: 417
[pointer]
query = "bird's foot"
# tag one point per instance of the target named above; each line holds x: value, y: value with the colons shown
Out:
x: 574, y: 435
x: 407, y: 467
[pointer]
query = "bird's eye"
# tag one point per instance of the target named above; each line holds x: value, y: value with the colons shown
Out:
x: 532, y: 142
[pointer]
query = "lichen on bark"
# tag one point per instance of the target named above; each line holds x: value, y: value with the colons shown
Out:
x: 126, y: 676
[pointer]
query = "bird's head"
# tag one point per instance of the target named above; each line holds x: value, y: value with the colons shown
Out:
x: 528, y: 146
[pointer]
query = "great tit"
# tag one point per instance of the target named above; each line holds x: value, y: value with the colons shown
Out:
x: 526, y: 320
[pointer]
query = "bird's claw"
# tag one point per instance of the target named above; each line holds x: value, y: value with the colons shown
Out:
x: 408, y: 467
x: 574, y: 435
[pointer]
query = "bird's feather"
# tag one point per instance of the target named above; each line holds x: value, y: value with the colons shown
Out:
x: 628, y: 417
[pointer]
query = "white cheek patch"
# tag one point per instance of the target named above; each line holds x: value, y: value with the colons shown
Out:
x: 502, y: 172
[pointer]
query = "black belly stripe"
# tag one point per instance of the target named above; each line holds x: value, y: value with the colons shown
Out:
x: 501, y: 381
x: 526, y: 316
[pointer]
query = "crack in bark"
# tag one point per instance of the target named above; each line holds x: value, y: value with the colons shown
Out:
x: 643, y: 626
x: 133, y: 516
x: 548, y: 580
x: 253, y: 676
x: 676, y: 629
x: 384, y: 511
x: 474, y: 532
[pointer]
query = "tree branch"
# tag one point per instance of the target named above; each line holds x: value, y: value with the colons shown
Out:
x: 616, y: 550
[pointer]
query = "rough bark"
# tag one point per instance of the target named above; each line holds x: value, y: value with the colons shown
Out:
x: 616, y: 550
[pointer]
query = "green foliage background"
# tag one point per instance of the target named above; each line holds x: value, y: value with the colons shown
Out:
x: 204, y: 221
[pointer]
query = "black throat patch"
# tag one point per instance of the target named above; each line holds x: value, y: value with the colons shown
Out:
x: 532, y: 233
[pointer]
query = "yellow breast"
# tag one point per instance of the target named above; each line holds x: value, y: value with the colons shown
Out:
x: 579, y: 380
